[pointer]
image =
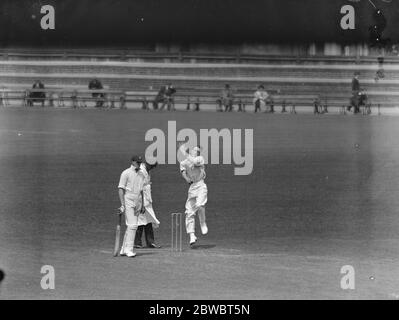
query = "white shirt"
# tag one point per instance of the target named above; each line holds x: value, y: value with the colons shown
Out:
x: 261, y: 95
x: 132, y: 182
x: 194, y: 168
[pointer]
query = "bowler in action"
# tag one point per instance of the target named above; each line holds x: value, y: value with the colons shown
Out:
x: 192, y: 169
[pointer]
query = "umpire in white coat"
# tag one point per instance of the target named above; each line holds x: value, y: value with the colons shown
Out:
x: 148, y: 220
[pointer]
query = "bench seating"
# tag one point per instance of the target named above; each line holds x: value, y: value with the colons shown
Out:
x: 81, y: 97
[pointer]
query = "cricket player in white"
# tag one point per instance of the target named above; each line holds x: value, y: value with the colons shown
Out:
x: 192, y: 169
x: 130, y: 190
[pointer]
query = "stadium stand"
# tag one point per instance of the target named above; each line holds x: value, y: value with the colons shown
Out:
x: 132, y: 79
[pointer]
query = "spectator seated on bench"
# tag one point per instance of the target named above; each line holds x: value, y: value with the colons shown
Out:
x: 165, y: 96
x: 262, y: 98
x: 226, y: 99
x: 358, y: 100
x: 317, y: 106
x: 96, y: 84
x: 36, y: 96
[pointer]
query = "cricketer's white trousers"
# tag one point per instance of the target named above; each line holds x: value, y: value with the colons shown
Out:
x: 197, y: 197
x: 132, y: 211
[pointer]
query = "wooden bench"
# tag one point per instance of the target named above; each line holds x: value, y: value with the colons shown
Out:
x: 23, y: 95
x: 365, y: 109
x: 11, y: 94
x: 196, y: 98
x: 284, y: 100
x: 143, y: 97
x: 181, y: 97
x: 192, y: 99
x: 57, y: 97
x: 375, y: 99
x: 107, y: 98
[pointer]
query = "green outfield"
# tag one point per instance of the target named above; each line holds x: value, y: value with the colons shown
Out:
x: 323, y: 194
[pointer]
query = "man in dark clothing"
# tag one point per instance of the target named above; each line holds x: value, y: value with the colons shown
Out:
x: 355, y: 83
x: 35, y: 95
x: 159, y: 98
x: 165, y: 95
x: 96, y: 84
x: 170, y: 91
x: 355, y: 93
x: 149, y: 237
x: 226, y: 99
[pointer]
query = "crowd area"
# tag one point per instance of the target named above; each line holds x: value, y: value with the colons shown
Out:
x: 225, y: 101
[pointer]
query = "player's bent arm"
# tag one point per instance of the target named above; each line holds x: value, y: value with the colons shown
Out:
x: 121, y: 193
x: 121, y: 189
x: 183, y: 149
x: 186, y: 155
x: 142, y: 210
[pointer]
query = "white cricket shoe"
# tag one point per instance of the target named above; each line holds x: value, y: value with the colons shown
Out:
x: 122, y: 252
x: 193, y: 239
x: 204, y: 228
x: 130, y: 254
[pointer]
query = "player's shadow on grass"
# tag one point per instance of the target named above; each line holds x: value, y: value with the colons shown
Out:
x: 203, y: 246
x: 1, y: 275
x: 141, y: 253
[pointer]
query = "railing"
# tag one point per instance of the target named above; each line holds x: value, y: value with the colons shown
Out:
x: 81, y: 97
x: 78, y: 98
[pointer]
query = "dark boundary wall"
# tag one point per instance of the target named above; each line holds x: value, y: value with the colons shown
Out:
x: 117, y: 23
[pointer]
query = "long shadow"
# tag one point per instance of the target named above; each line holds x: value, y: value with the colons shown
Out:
x: 141, y: 253
x: 203, y: 246
x: 2, y: 275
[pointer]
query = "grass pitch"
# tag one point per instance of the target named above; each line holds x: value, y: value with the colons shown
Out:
x: 323, y: 194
